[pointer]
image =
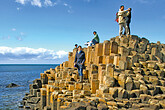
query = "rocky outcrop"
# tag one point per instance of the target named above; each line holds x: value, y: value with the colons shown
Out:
x: 11, y: 85
x: 123, y: 73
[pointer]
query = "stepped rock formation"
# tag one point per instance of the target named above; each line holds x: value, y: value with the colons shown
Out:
x: 123, y: 73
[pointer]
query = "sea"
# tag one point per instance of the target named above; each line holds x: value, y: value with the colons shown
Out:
x: 20, y: 74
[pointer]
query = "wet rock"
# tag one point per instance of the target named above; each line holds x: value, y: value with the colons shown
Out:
x: 12, y: 85
x: 20, y: 106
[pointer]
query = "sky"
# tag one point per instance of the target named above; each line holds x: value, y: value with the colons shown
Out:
x: 44, y: 31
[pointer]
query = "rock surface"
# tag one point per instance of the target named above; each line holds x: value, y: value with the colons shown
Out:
x: 11, y: 85
x: 123, y: 73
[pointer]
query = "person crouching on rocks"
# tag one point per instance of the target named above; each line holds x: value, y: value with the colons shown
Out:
x: 94, y: 41
x: 79, y: 62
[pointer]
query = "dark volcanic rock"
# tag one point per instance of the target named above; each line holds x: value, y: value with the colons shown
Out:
x: 12, y: 85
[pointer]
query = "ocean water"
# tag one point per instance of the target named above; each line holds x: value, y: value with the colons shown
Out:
x: 21, y: 74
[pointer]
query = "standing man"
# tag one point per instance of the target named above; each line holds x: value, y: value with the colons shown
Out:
x: 128, y: 21
x: 122, y: 20
x: 79, y: 62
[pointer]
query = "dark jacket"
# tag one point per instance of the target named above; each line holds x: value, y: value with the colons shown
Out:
x: 128, y: 18
x: 80, y: 59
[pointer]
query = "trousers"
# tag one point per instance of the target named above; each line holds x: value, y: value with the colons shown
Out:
x: 128, y: 26
x: 93, y: 42
x: 80, y: 71
x: 121, y: 26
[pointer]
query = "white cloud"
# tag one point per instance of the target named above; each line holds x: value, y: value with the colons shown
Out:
x: 36, y: 3
x: 65, y: 4
x: 69, y: 7
x: 18, y: 8
x: 14, y: 29
x: 21, y: 1
x: 61, y: 53
x: 25, y: 53
x: 48, y: 3
x: 41, y: 3
x: 55, y: 3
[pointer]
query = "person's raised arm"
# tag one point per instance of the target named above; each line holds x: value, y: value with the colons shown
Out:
x: 120, y: 13
x: 129, y: 11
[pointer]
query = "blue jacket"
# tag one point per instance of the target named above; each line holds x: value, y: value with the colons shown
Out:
x: 80, y: 59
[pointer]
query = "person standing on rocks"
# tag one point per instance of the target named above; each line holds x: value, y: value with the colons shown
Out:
x: 122, y: 20
x: 79, y: 62
x: 128, y: 21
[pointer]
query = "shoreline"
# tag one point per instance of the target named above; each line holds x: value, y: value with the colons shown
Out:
x: 21, y: 75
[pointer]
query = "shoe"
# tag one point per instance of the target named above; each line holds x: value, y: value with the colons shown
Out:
x: 81, y: 79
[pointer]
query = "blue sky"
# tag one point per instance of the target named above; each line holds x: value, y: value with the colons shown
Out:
x: 44, y: 31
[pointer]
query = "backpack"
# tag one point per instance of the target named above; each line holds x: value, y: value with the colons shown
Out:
x: 117, y: 17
